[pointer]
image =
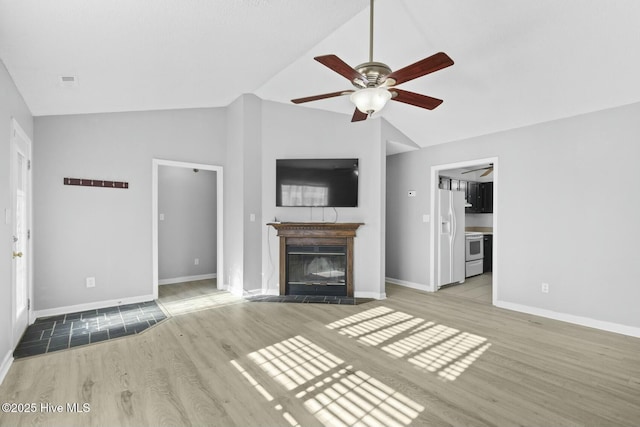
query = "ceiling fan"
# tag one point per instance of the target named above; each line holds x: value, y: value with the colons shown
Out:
x: 487, y: 170
x: 375, y: 83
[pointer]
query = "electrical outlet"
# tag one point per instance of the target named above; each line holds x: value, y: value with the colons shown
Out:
x: 90, y: 282
x: 545, y: 288
x: 196, y: 261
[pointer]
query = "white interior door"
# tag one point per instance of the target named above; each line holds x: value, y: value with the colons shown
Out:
x: 21, y: 225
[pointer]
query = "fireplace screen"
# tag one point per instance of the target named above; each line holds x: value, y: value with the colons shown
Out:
x: 323, y: 265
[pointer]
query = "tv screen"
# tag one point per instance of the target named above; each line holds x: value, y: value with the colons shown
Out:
x: 317, y: 182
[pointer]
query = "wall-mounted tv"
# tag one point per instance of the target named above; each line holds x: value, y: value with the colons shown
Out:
x: 317, y: 182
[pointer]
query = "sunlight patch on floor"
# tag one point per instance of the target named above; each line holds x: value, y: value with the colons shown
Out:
x: 451, y: 357
x: 337, y: 395
x: 429, y: 346
x: 295, y: 361
x: 286, y: 415
x: 356, y: 398
x: 201, y: 302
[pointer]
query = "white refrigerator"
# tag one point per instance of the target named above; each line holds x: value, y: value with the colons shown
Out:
x: 451, y: 240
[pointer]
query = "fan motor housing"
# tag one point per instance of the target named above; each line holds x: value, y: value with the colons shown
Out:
x: 375, y: 72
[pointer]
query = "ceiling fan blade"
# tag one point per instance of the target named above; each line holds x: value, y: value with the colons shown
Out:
x: 412, y: 98
x: 487, y: 172
x: 358, y: 116
x: 323, y: 96
x: 341, y: 67
x: 472, y: 171
x: 423, y: 67
x: 490, y: 167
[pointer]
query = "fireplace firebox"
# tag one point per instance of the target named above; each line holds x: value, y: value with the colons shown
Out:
x: 316, y: 270
x: 316, y: 258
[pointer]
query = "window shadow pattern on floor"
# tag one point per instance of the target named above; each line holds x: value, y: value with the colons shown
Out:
x: 429, y: 346
x: 333, y: 391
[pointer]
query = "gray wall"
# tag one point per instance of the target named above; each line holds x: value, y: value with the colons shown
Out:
x: 567, y: 207
x: 11, y: 106
x: 106, y: 233
x: 188, y: 202
x: 479, y: 220
x: 293, y: 132
x: 252, y: 192
x: 243, y: 177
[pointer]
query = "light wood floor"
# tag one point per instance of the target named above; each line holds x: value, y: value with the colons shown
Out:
x: 413, y: 359
x: 478, y: 288
x: 182, y: 298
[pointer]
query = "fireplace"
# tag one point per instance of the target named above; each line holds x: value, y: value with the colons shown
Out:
x: 316, y: 270
x: 316, y: 258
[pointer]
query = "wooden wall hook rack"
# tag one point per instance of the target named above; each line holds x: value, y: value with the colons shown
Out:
x: 95, y: 183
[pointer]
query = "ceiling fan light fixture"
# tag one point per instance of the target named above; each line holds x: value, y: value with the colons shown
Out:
x: 371, y: 99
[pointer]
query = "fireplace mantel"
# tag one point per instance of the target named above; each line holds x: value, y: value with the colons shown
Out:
x: 318, y: 234
x: 316, y: 229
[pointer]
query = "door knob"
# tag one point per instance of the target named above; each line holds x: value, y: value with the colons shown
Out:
x: 17, y: 254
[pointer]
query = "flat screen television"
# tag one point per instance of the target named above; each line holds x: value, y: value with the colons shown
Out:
x: 317, y: 182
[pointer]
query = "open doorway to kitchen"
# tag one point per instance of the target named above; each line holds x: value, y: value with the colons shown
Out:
x: 463, y: 242
x: 187, y: 233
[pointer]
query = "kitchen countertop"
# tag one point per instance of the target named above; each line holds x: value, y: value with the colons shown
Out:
x: 483, y: 230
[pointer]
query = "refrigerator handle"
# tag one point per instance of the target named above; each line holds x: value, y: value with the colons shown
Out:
x: 454, y: 224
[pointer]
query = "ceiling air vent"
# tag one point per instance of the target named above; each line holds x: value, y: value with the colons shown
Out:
x: 68, y: 81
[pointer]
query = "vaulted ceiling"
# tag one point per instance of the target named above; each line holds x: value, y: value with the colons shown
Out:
x: 516, y: 62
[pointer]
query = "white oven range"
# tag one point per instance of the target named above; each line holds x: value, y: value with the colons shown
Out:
x: 474, y: 253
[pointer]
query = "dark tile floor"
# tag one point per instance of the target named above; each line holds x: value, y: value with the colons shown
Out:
x: 55, y: 333
x: 319, y: 299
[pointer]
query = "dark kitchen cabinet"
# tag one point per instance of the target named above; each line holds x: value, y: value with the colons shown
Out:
x: 488, y: 253
x: 473, y: 194
x: 486, y: 197
x: 480, y: 195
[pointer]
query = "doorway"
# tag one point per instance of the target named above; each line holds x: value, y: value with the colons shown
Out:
x: 157, y: 216
x: 487, y: 224
x: 21, y: 217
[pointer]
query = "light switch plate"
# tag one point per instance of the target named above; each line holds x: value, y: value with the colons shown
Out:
x: 90, y: 282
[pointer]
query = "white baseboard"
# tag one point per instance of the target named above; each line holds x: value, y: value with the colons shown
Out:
x: 570, y: 318
x: 274, y: 292
x: 6, y: 364
x: 91, y: 306
x: 186, y: 279
x: 374, y: 295
x: 237, y: 291
x: 412, y: 285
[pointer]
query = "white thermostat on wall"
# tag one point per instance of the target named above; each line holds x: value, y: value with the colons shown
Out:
x: 412, y: 193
